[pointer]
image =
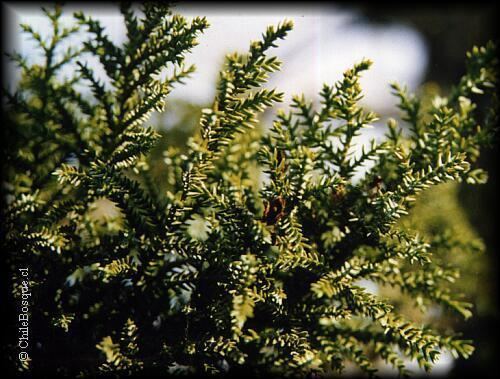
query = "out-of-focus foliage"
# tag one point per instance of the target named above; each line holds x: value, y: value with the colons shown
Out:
x: 199, y: 265
x: 441, y: 220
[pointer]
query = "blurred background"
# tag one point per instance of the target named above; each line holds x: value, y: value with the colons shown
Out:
x: 420, y: 46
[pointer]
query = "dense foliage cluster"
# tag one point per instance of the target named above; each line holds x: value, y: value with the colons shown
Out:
x: 255, y: 253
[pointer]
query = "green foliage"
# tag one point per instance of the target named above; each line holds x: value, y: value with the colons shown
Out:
x: 219, y: 269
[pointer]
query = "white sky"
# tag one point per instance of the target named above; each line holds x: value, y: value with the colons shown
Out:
x: 325, y: 42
